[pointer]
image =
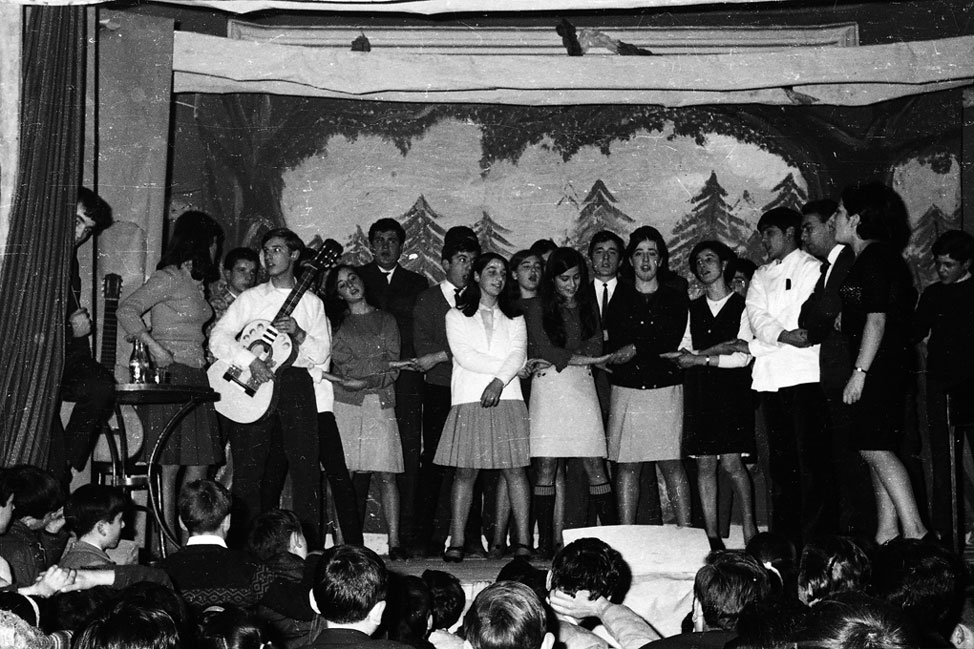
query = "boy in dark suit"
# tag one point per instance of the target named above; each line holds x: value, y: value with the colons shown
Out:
x: 392, y: 288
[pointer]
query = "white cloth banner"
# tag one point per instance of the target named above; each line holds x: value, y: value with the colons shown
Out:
x: 799, y: 75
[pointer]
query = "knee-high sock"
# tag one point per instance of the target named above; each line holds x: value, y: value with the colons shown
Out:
x: 544, y: 511
x: 604, y: 502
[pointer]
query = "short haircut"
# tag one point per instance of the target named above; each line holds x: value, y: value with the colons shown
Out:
x: 505, y: 615
x: 856, y: 620
x: 235, y: 255
x: 923, y: 579
x: 230, y: 628
x: 723, y: 252
x: 131, y: 626
x: 91, y: 504
x: 292, y: 240
x: 36, y: 491
x: 956, y: 244
x: 776, y: 553
x: 408, y: 609
x: 349, y: 582
x: 832, y: 565
x: 459, y: 238
x: 591, y: 564
x: 95, y: 208
x: 271, y: 533
x: 447, y: 597
x: 521, y: 571
x: 387, y: 225
x: 782, y: 218
x: 541, y: 247
x: 606, y: 235
x: 882, y: 213
x: 726, y: 584
x: 823, y: 209
x: 203, y: 504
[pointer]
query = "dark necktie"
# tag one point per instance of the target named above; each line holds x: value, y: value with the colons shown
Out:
x: 605, y: 299
x: 388, y: 274
x: 825, y: 271
x: 456, y: 296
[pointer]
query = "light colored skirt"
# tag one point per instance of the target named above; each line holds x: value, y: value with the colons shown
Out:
x: 475, y: 437
x: 565, y: 416
x: 645, y: 425
x: 370, y: 436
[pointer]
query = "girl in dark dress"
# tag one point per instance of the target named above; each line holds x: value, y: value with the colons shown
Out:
x: 718, y: 412
x: 877, y: 303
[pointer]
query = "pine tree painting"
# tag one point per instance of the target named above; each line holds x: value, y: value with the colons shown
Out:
x: 357, y: 250
x: 424, y: 240
x: 490, y: 233
x: 598, y: 212
x: 710, y: 217
x: 788, y: 193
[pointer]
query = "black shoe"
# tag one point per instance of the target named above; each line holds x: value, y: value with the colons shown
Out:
x: 522, y: 551
x: 716, y: 543
x: 453, y: 554
x: 474, y: 550
x: 397, y: 553
x: 497, y: 551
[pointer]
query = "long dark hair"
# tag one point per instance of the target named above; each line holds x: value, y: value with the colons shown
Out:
x: 561, y: 261
x: 190, y: 240
x: 335, y: 307
x: 470, y: 300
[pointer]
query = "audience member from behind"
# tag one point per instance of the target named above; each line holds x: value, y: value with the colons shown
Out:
x: 771, y: 623
x: 830, y: 566
x: 588, y: 579
x: 206, y: 573
x: 924, y: 580
x: 408, y: 617
x: 730, y: 581
x: 506, y: 615
x: 349, y: 596
x: 277, y: 540
x: 131, y: 626
x: 447, y: 601
x: 777, y: 555
x: 855, y: 621
x: 231, y: 628
x: 95, y: 514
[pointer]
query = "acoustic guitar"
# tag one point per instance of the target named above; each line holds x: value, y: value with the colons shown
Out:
x: 242, y: 398
x: 134, y: 434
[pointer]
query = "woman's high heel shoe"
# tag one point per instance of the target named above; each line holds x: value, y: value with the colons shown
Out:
x: 453, y: 554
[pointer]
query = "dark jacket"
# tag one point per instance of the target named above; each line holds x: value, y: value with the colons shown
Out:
x: 397, y: 297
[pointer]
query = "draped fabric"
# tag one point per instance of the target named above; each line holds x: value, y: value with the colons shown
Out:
x: 34, y: 283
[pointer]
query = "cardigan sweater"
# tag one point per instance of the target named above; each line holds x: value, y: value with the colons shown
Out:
x: 479, y: 358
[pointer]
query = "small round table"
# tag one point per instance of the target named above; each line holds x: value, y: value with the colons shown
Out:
x: 148, y: 394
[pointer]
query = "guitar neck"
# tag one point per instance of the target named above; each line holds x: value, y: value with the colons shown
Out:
x: 109, y: 335
x: 304, y: 283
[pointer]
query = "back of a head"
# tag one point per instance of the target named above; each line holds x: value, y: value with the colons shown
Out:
x: 130, y: 626
x: 230, y: 628
x: 922, y: 579
x: 91, y: 504
x: 505, y: 615
x: 521, y: 571
x: 203, y: 505
x: 149, y: 594
x: 855, y: 621
x: 446, y: 596
x: 36, y: 491
x: 777, y: 554
x: 271, y: 531
x: 830, y: 566
x: 408, y: 609
x: 771, y: 623
x: 730, y: 580
x: 593, y: 565
x: 349, y: 582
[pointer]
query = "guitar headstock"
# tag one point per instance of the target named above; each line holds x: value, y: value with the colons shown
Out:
x: 112, y: 286
x: 326, y: 256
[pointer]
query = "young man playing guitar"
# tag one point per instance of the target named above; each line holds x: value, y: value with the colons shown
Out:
x: 286, y: 438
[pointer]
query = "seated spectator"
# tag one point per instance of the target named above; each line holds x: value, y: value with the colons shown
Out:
x: 721, y: 590
x: 448, y: 601
x: 231, y: 628
x: 36, y: 538
x: 589, y: 579
x: 70, y: 612
x: 507, y: 615
x: 277, y: 540
x: 147, y: 594
x: 131, y: 626
x: 855, y: 621
x: 207, y: 573
x: 962, y: 637
x: 771, y: 623
x: 349, y: 596
x: 521, y: 571
x: 778, y: 556
x: 830, y: 566
x: 408, y: 617
x: 924, y: 580
x: 94, y: 513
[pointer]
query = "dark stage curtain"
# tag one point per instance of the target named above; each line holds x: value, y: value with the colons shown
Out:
x: 34, y: 283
